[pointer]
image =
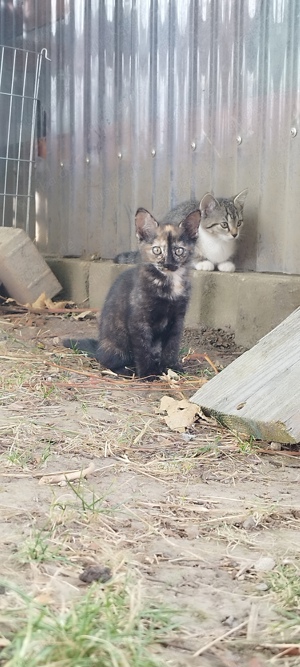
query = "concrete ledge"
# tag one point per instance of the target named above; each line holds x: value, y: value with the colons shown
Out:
x: 102, y: 276
x: 249, y: 304
x: 73, y: 275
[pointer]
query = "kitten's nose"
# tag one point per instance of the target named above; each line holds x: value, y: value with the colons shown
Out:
x: 234, y: 234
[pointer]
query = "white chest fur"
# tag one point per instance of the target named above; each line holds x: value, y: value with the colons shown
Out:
x: 215, y: 248
x: 178, y: 283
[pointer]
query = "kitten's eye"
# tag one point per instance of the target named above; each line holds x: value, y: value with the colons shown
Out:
x: 179, y: 251
x: 224, y: 225
x: 156, y: 250
x: 239, y: 222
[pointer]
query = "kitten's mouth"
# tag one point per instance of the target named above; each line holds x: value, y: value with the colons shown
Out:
x: 229, y: 237
x: 168, y: 267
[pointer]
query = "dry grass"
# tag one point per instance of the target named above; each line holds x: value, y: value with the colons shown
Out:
x: 181, y: 517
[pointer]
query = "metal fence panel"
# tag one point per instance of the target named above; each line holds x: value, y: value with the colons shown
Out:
x: 150, y: 102
x: 19, y: 81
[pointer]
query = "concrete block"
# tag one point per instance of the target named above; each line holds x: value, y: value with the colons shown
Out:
x: 247, y: 304
x: 73, y: 274
x: 264, y: 300
x: 102, y: 276
x: 23, y: 271
x: 213, y: 300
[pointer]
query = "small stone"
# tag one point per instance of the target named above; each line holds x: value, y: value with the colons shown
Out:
x: 192, y: 531
x: 275, y: 446
x: 264, y: 564
x: 231, y: 621
x: 249, y: 523
x: 262, y: 586
x: 187, y: 437
x: 95, y: 573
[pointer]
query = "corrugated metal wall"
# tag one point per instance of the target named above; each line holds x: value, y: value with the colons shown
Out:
x: 147, y: 102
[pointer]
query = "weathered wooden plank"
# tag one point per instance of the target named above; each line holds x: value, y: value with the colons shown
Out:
x: 259, y: 393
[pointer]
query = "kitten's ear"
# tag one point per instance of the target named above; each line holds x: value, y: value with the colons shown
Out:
x: 208, y: 204
x: 239, y: 199
x: 145, y: 225
x: 191, y: 224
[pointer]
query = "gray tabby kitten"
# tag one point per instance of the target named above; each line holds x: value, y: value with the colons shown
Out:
x: 221, y: 221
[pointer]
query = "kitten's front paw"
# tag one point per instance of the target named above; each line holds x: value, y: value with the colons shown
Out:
x: 205, y: 265
x: 229, y: 267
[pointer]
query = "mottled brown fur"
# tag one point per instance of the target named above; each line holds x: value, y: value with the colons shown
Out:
x: 142, y: 318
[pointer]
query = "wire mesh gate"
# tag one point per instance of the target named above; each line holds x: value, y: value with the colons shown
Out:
x: 19, y: 83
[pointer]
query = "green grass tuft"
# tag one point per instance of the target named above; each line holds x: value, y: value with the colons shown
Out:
x: 285, y: 584
x: 106, y: 627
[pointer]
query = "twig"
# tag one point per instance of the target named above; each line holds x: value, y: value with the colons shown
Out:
x: 243, y: 643
x: 211, y: 363
x: 261, y: 450
x: 142, y: 432
x: 291, y: 651
x: 252, y: 622
x: 68, y: 476
x: 219, y: 639
x: 195, y: 356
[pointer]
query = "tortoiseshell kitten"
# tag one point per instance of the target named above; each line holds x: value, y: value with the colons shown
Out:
x: 142, y: 319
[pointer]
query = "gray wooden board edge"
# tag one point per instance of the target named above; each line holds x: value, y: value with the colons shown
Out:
x: 259, y: 393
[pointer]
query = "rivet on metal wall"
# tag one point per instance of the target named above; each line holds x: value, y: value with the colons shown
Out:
x: 120, y: 156
x: 87, y: 159
x: 293, y: 132
x: 193, y: 145
x: 153, y: 152
x: 239, y: 140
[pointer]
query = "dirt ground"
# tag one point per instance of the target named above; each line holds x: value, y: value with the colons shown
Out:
x: 206, y: 522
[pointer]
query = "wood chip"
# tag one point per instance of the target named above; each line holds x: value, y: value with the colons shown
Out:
x: 63, y: 478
